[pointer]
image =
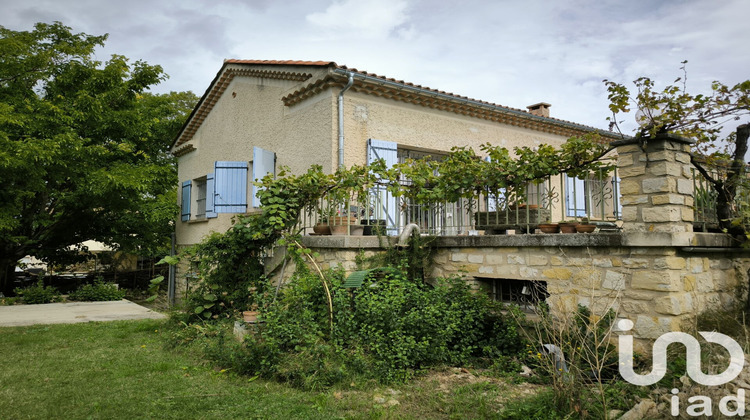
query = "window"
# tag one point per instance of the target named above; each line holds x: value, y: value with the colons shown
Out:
x: 200, y: 198
x: 525, y: 293
x: 594, y: 197
x: 264, y: 162
x: 226, y: 189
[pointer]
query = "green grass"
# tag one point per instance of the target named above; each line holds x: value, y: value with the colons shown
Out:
x: 122, y: 370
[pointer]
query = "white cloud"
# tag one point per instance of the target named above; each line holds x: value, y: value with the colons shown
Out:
x: 508, y: 52
x: 365, y: 18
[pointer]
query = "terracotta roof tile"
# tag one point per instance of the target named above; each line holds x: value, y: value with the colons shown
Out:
x: 282, y: 62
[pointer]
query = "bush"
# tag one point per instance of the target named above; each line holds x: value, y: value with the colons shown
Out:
x: 97, y: 292
x: 407, y: 326
x: 388, y: 329
x: 39, y: 293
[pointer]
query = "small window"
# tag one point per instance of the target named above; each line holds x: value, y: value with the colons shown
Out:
x: 525, y: 293
x: 200, y: 197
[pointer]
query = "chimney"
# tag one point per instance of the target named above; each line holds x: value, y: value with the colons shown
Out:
x: 541, y: 109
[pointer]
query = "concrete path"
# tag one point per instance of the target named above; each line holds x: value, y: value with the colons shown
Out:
x: 74, y: 312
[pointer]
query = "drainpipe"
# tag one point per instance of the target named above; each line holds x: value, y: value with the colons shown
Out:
x: 403, y: 240
x: 341, y: 117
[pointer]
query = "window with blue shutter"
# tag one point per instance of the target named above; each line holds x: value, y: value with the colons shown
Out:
x: 185, y: 208
x: 230, y: 187
x: 210, y: 194
x: 264, y: 162
x: 384, y: 203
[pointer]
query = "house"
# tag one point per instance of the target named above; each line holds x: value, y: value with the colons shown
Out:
x: 656, y: 271
x: 259, y: 115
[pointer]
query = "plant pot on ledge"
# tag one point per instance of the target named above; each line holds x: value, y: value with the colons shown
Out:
x: 322, y: 228
x: 549, y: 227
x: 568, y: 227
x: 581, y: 228
x: 374, y: 227
x: 341, y: 226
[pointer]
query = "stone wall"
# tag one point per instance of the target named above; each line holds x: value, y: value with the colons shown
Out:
x: 660, y: 285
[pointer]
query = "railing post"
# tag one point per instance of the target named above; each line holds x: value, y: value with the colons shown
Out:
x: 656, y: 187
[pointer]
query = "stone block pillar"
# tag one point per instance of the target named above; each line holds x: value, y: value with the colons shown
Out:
x: 656, y: 184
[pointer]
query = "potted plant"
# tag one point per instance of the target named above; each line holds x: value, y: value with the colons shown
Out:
x: 322, y: 227
x: 341, y: 225
x: 549, y: 227
x: 568, y: 226
x: 251, y: 316
x: 585, y: 226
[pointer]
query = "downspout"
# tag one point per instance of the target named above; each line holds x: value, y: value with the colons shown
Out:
x: 341, y: 117
x: 403, y: 240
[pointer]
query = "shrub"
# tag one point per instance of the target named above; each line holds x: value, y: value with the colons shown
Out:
x: 407, y: 326
x: 97, y: 292
x: 388, y: 329
x: 39, y: 293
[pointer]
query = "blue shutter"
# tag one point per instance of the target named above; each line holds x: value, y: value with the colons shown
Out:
x: 264, y: 162
x: 575, y: 197
x: 230, y: 187
x: 385, y: 202
x: 210, y: 194
x: 186, y: 200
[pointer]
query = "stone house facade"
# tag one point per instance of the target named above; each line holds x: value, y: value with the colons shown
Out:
x: 257, y: 116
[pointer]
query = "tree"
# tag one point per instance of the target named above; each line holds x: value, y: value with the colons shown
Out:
x: 719, y: 159
x: 83, y: 148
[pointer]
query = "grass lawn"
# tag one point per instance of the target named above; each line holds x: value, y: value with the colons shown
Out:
x: 121, y: 370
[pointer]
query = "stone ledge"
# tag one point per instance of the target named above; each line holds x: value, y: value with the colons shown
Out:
x: 623, y: 239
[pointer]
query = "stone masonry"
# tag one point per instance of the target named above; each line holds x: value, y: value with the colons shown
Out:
x: 657, y: 272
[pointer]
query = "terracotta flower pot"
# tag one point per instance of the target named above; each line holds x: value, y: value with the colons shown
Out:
x: 250, y: 317
x: 322, y: 229
x: 340, y: 225
x: 549, y: 228
x: 585, y: 228
x: 568, y: 227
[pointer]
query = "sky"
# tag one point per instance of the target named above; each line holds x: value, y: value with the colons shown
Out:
x: 509, y: 52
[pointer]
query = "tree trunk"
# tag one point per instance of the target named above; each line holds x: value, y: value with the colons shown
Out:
x: 727, y: 190
x: 7, y: 276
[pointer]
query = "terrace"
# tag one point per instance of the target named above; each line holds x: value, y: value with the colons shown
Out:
x: 654, y: 254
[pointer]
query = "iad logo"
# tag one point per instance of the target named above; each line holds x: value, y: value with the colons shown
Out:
x: 694, y: 371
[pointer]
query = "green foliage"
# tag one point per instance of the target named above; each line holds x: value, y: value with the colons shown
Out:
x: 407, y: 326
x: 99, y: 291
x: 39, y: 293
x: 720, y: 161
x: 580, y: 386
x: 388, y: 329
x: 674, y: 110
x: 463, y: 174
x: 83, y: 148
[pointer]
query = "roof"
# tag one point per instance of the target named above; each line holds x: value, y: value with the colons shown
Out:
x: 372, y: 84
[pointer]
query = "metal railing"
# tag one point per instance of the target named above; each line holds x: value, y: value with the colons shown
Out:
x: 705, y: 202
x: 554, y: 199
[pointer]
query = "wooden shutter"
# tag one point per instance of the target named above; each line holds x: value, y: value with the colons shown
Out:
x: 264, y: 162
x: 185, y: 208
x: 230, y: 187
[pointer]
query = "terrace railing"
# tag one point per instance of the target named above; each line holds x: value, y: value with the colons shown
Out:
x: 553, y: 199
